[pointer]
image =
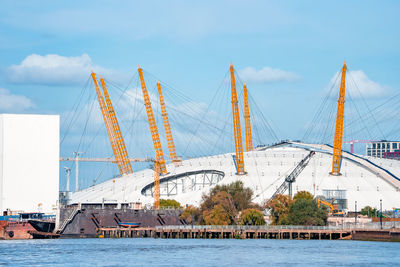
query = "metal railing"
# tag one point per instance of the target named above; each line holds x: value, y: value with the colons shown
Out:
x: 277, y: 227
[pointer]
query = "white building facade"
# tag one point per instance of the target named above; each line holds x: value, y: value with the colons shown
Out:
x: 383, y: 149
x: 29, y: 162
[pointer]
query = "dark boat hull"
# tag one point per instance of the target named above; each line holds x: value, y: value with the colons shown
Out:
x: 90, y: 218
x: 42, y: 225
x: 129, y: 224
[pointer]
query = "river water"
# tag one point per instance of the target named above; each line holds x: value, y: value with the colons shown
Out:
x: 196, y: 252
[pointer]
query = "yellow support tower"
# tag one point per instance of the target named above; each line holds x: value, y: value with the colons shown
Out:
x: 156, y: 185
x: 337, y: 143
x: 247, y: 123
x: 153, y: 125
x: 236, y: 125
x: 167, y: 127
x: 108, y: 124
x: 123, y: 153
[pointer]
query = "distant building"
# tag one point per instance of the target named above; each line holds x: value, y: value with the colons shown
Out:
x: 29, y: 162
x: 383, y: 149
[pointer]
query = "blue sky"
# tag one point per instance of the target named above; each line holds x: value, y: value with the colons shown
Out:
x: 286, y: 51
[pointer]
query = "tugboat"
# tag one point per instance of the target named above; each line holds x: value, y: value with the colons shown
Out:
x: 17, y: 226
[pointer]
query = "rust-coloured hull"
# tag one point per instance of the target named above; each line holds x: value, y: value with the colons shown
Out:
x: 15, y: 230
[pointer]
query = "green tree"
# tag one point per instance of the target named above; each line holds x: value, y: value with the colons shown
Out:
x: 241, y: 195
x: 191, y: 215
x: 305, y: 211
x: 279, y: 207
x: 369, y: 211
x: 225, y: 200
x: 303, y: 194
x: 251, y: 217
x: 168, y: 203
x: 216, y: 216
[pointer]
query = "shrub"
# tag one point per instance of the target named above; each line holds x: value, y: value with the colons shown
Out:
x: 251, y: 217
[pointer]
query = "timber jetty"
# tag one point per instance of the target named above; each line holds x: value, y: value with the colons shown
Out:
x: 251, y: 232
x: 226, y: 232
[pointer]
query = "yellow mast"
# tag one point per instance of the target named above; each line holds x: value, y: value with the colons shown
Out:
x: 123, y: 154
x: 167, y: 127
x: 153, y: 126
x: 247, y: 124
x: 236, y: 125
x: 337, y: 143
x: 108, y: 124
x: 156, y: 185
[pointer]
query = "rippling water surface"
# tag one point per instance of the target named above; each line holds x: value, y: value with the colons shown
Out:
x: 196, y: 252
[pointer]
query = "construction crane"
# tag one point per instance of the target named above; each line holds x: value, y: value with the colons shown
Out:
x: 153, y: 126
x: 167, y: 127
x: 109, y: 126
x: 337, y: 143
x: 291, y: 178
x: 247, y: 124
x: 123, y: 154
x: 236, y: 125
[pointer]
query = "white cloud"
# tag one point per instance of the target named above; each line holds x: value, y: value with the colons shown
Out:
x: 359, y: 85
x: 54, y: 70
x: 14, y: 103
x: 267, y: 75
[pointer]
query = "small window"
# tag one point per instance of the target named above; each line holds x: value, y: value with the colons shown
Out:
x: 379, y: 146
x: 373, y: 145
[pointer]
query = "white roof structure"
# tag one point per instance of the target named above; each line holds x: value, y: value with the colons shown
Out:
x: 364, y: 179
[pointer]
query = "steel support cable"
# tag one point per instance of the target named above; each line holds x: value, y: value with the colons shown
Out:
x: 181, y: 114
x: 259, y: 125
x: 257, y: 109
x: 192, y: 111
x: 166, y: 85
x: 75, y: 109
x: 224, y: 132
x: 381, y: 107
x: 359, y: 114
x: 98, y: 130
x: 325, y: 122
x: 258, y: 115
x: 101, y: 126
x: 208, y: 108
x: 86, y: 124
x: 329, y: 127
x: 319, y: 109
x: 265, y: 121
x: 188, y: 109
x: 219, y: 139
x: 362, y: 98
x: 170, y: 113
